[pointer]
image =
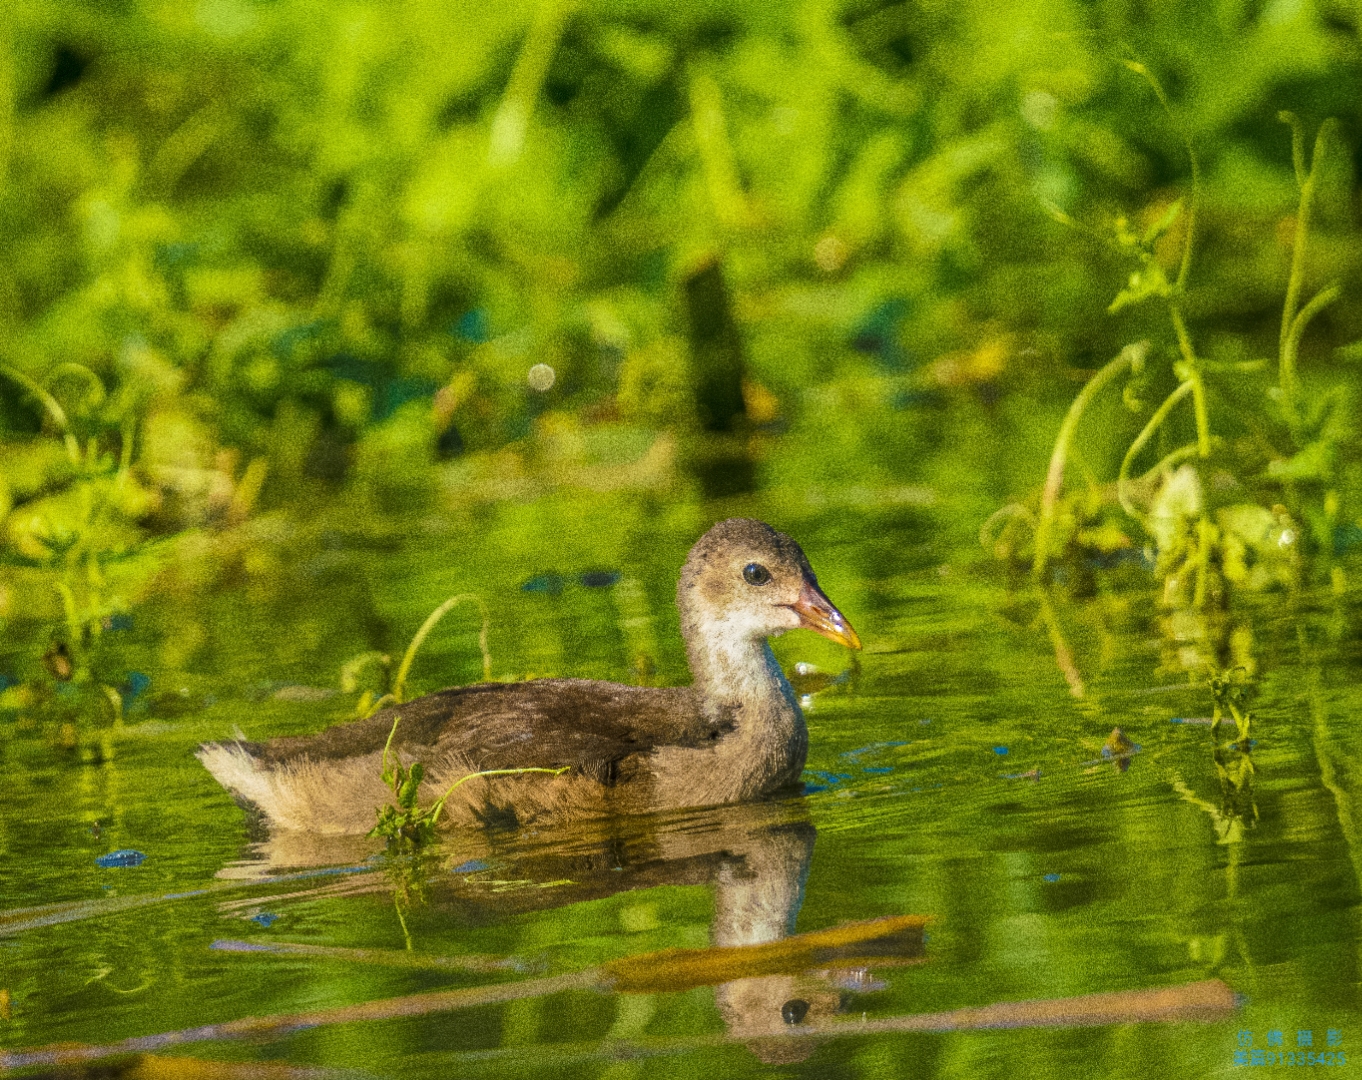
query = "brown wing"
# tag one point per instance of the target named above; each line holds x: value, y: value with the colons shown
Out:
x: 584, y: 724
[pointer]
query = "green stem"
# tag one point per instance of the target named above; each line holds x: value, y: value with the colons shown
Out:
x: 1203, y: 418
x: 1186, y: 267
x: 715, y: 150
x: 1291, y: 344
x: 1286, y: 369
x: 1054, y: 478
x: 1203, y: 447
x: 388, y: 746
x: 440, y: 803
x: 1160, y: 414
x: 1176, y: 457
x: 512, y: 118
x: 1064, y: 657
x: 93, y: 381
x: 400, y: 682
x: 51, y: 405
x: 1011, y: 510
x: 406, y: 934
x: 1306, y: 181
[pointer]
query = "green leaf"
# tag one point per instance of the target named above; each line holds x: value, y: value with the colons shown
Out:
x: 1163, y: 224
x: 1145, y: 282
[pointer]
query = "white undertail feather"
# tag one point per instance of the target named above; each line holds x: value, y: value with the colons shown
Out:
x: 331, y: 797
x: 341, y: 796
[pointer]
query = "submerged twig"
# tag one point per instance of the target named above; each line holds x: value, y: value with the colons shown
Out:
x: 1208, y: 1000
x: 668, y: 970
x: 382, y: 957
x: 17, y: 920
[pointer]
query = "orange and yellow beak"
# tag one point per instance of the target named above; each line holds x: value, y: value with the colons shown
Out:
x: 816, y: 613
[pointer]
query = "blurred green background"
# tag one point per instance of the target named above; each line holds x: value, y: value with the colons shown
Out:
x: 366, y: 260
x: 314, y: 314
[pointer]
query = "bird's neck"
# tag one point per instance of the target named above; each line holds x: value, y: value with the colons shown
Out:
x: 738, y: 680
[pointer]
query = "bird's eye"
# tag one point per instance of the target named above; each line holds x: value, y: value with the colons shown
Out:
x: 756, y: 574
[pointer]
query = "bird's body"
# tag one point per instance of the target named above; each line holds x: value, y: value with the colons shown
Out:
x: 736, y: 734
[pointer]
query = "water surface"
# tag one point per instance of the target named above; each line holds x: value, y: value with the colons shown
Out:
x: 959, y: 768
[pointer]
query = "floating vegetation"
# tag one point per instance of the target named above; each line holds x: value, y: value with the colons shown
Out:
x: 403, y: 821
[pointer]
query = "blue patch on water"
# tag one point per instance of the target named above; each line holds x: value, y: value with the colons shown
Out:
x: 814, y: 789
x: 878, y: 334
x: 1051, y: 877
x: 827, y: 777
x: 600, y: 579
x: 472, y: 866
x: 551, y: 584
x: 397, y: 392
x: 136, y: 685
x: 122, y: 857
x: 121, y: 621
x: 6, y: 681
x: 1000, y: 750
x: 1346, y: 538
x: 878, y: 769
x: 265, y: 919
x: 472, y: 326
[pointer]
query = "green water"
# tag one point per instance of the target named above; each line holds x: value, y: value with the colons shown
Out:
x: 923, y: 798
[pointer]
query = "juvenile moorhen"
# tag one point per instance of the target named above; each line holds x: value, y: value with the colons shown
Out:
x: 735, y: 734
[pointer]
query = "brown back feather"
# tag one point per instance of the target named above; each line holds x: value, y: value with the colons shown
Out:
x: 588, y: 725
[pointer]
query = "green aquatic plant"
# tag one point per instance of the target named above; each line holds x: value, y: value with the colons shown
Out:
x: 72, y: 507
x: 1204, y: 546
x: 403, y: 821
x: 367, y: 704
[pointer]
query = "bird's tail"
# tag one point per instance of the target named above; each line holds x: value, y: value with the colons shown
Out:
x: 336, y: 796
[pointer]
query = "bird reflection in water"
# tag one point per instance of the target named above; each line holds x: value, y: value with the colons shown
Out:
x: 755, y: 857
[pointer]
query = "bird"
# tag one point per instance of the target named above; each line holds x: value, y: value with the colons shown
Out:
x: 734, y: 735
